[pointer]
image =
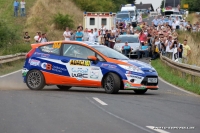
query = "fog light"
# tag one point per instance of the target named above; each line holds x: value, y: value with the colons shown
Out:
x: 132, y: 80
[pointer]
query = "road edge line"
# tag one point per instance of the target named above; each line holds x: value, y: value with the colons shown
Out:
x: 10, y: 73
x: 178, y: 88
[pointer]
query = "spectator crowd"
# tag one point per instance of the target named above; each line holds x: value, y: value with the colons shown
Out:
x: 156, y: 38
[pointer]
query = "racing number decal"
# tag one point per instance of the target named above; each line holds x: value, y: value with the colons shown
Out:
x: 57, y: 44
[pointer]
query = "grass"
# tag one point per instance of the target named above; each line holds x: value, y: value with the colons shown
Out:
x: 11, y: 67
x: 174, y: 77
x: 193, y: 41
x: 39, y: 18
x: 144, y: 16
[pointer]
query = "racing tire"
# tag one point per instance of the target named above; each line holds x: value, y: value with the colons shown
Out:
x: 112, y: 83
x: 62, y: 87
x: 140, y: 91
x: 35, y: 80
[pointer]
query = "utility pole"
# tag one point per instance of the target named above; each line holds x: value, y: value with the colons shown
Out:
x: 164, y: 3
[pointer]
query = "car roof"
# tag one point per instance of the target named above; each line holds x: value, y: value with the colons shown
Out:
x: 35, y: 45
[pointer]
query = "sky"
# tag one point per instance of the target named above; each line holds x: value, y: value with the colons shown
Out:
x: 155, y: 3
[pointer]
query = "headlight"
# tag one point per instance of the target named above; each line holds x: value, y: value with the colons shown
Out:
x: 132, y: 68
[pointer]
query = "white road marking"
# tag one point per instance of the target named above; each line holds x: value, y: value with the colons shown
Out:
x: 99, y: 101
x: 10, y: 73
x: 118, y: 117
x: 158, y: 130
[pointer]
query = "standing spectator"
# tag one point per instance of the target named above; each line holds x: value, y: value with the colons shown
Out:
x: 22, y: 3
x: 16, y: 8
x: 26, y: 37
x: 73, y: 35
x: 102, y: 33
x: 177, y: 23
x: 43, y: 38
x: 186, y: 51
x: 85, y: 35
x: 112, y: 40
x: 67, y: 34
x: 106, y: 38
x: 155, y: 21
x: 79, y: 34
x: 36, y: 37
x: 169, y: 51
x: 92, y: 36
x: 96, y: 34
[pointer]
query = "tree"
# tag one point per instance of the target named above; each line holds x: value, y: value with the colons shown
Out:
x: 162, y: 4
x: 131, y: 1
x: 193, y: 4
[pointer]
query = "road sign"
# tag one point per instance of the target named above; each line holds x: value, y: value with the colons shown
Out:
x: 185, y: 6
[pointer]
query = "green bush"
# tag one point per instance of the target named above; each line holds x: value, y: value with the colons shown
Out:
x: 7, y: 35
x: 62, y: 21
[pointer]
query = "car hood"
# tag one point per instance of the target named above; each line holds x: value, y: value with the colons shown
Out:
x: 143, y: 66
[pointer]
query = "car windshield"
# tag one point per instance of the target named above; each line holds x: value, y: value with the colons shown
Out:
x: 130, y: 39
x: 110, y: 53
x: 122, y: 16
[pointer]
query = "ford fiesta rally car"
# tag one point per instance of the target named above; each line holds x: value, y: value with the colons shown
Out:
x: 81, y: 64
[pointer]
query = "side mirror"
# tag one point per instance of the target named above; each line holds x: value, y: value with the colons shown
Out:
x: 92, y: 58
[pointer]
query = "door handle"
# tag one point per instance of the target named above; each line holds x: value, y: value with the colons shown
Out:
x: 64, y: 60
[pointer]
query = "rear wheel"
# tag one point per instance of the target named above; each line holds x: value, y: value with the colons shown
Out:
x: 140, y: 91
x: 112, y: 83
x: 62, y: 87
x: 35, y: 80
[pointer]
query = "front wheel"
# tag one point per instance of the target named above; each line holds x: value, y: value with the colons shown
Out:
x: 63, y: 87
x: 140, y: 91
x: 35, y: 80
x: 112, y: 83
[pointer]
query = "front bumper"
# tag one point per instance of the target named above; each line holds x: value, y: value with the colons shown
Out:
x: 139, y: 82
x: 132, y: 86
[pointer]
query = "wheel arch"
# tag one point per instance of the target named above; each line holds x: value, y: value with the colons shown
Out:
x: 37, y: 70
x: 122, y: 83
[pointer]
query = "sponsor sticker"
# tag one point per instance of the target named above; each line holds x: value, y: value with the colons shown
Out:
x: 80, y: 73
x: 34, y: 62
x: 94, y: 74
x: 24, y: 72
x: 95, y: 68
x: 42, y: 54
x: 80, y: 62
x: 46, y: 66
x: 134, y: 76
x: 57, y: 45
x: 112, y: 66
x: 104, y: 65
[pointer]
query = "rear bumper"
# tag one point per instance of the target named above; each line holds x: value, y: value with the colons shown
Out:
x: 131, y: 86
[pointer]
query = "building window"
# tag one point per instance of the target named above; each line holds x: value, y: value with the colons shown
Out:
x: 103, y: 21
x: 92, y: 21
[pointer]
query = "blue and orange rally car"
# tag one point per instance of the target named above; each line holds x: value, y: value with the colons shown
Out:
x: 83, y: 64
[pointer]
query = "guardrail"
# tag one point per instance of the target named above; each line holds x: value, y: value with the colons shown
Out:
x: 10, y: 58
x: 184, y: 68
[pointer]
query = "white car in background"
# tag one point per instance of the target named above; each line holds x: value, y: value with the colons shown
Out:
x: 133, y: 42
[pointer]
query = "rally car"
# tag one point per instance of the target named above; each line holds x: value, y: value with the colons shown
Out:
x: 74, y: 63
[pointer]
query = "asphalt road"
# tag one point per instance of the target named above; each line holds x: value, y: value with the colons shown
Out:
x: 89, y: 110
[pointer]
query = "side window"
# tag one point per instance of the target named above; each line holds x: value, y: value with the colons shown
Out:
x: 77, y: 51
x: 50, y: 49
x: 100, y: 58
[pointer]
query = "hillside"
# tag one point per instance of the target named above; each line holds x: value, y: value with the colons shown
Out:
x: 41, y: 14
